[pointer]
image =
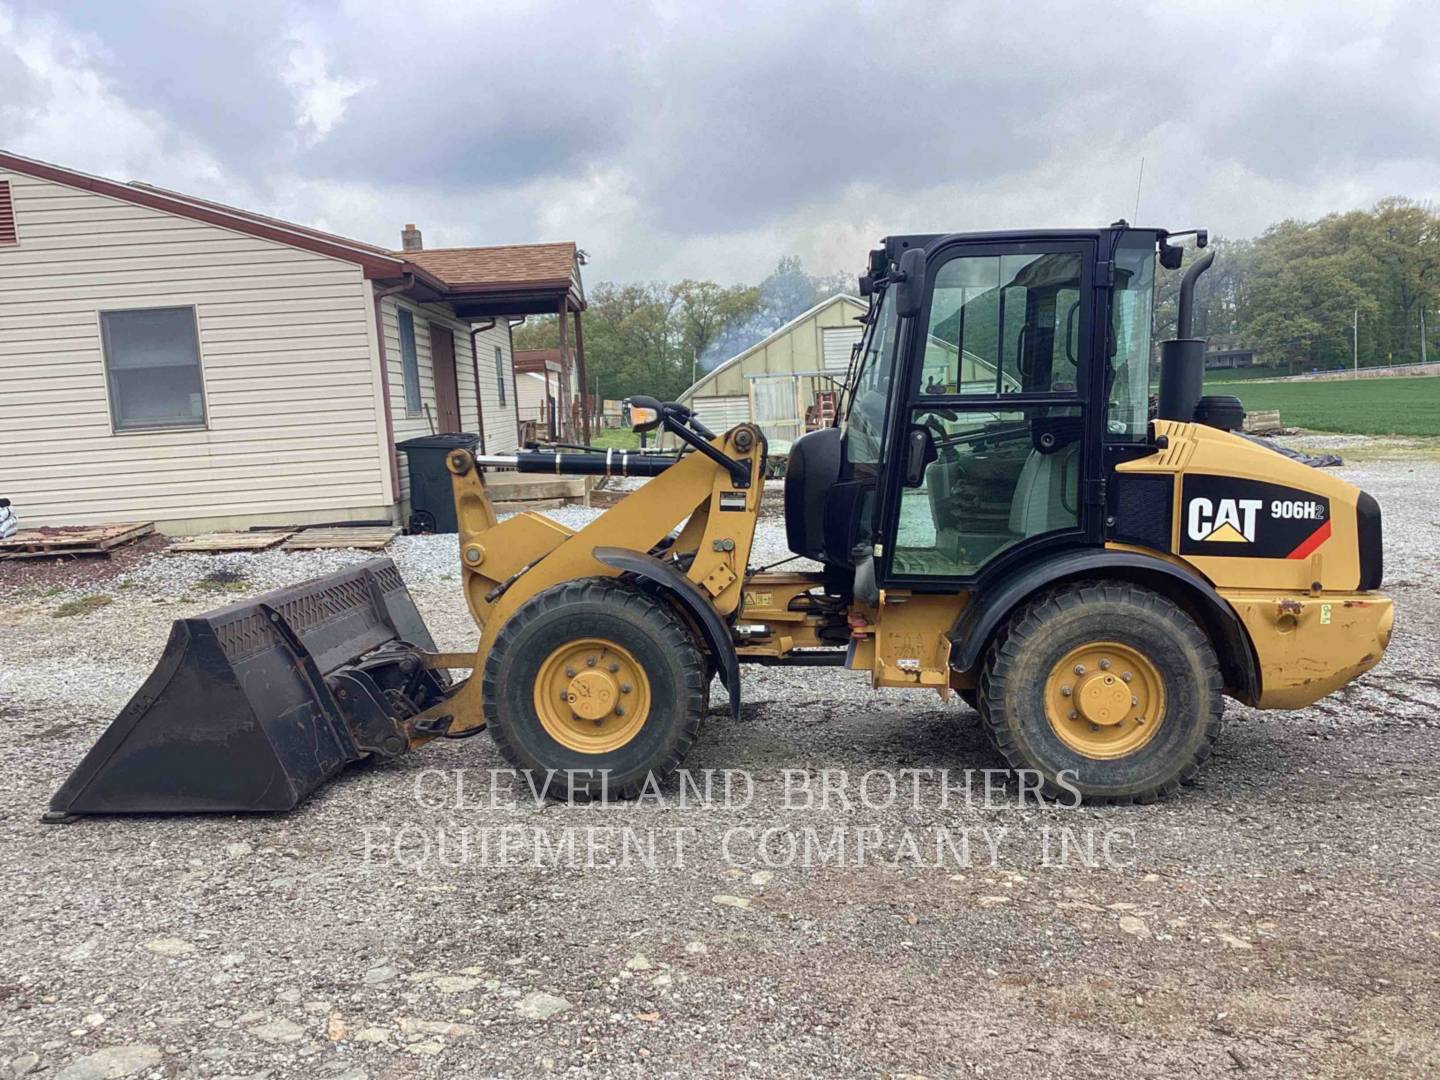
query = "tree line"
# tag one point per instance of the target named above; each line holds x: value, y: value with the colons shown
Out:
x: 1297, y: 292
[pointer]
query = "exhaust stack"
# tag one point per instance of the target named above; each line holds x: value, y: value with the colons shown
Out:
x: 1182, y: 358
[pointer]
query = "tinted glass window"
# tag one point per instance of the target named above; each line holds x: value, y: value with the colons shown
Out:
x: 1129, y: 370
x: 998, y: 478
x: 1004, y: 324
x: 410, y: 362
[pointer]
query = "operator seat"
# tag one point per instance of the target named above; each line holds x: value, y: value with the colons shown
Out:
x: 1047, y: 495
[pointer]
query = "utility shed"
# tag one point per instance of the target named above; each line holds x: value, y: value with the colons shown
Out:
x: 780, y: 382
x: 169, y: 359
x: 548, y: 393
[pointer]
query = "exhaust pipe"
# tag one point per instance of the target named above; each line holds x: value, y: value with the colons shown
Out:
x: 1182, y: 358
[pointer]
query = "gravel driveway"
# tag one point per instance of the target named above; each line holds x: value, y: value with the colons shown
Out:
x: 426, y: 918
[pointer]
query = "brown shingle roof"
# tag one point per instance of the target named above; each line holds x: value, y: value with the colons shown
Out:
x: 516, y: 264
x: 538, y: 359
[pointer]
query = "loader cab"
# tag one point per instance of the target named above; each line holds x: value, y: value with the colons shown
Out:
x: 984, y: 403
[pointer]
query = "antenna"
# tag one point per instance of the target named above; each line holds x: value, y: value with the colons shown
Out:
x: 1138, y: 184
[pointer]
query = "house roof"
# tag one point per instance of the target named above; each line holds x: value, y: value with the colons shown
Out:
x: 486, y: 281
x: 377, y: 261
x: 515, y: 264
x: 540, y: 359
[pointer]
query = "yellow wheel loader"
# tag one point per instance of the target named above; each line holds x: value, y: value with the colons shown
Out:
x: 995, y: 514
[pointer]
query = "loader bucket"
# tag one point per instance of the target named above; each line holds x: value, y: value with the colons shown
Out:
x: 254, y: 705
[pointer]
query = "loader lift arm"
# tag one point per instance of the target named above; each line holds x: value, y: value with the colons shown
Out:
x: 712, y: 495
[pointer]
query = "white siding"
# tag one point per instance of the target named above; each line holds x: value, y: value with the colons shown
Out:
x: 500, y: 432
x: 531, y: 386
x: 294, y: 429
x: 839, y: 343
x: 722, y: 413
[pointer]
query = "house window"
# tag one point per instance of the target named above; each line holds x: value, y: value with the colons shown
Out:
x: 152, y: 365
x: 411, y: 363
x: 8, y: 235
x: 500, y: 373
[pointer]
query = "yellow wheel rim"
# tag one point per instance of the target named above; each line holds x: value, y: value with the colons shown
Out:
x: 592, y: 696
x: 1105, y: 700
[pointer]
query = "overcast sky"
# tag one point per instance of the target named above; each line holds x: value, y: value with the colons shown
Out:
x: 706, y: 139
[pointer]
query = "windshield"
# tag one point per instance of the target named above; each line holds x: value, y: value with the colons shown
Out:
x: 864, y: 421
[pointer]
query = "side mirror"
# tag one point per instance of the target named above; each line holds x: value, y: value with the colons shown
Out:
x: 919, y: 452
x: 910, y: 290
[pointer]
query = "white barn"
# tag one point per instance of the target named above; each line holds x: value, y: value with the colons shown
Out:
x: 168, y: 359
x: 775, y: 382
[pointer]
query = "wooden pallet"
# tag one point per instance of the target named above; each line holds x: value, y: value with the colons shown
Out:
x: 215, y: 543
x: 1263, y: 421
x: 72, y: 540
x: 366, y: 538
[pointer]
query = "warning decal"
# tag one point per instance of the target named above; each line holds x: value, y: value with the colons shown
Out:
x: 1224, y: 515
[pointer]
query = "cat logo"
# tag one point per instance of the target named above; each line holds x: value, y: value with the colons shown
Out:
x: 1226, y: 521
x: 1235, y: 517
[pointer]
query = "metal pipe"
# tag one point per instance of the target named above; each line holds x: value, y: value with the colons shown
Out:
x: 1182, y: 358
x: 380, y: 295
x: 476, y: 329
x: 1185, y: 313
x: 610, y: 463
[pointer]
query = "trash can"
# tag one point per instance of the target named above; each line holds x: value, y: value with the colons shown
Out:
x: 432, y: 504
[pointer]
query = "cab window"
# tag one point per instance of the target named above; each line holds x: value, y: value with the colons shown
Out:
x: 1128, y: 373
x: 864, y: 422
x: 1004, y: 324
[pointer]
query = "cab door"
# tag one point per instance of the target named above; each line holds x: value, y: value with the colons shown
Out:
x: 994, y: 405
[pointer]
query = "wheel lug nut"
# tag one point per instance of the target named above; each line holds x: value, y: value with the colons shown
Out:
x: 619, y: 710
x: 1079, y: 669
x: 1066, y: 691
x: 1074, y: 715
x: 1134, y: 701
x: 564, y: 695
x: 614, y: 667
x: 569, y: 672
x: 1094, y: 727
x: 1126, y: 677
x: 625, y: 688
x: 590, y: 661
x: 1104, y: 665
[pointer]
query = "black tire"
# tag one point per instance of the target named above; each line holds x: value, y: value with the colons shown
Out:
x: 1040, y: 634
x: 639, y: 622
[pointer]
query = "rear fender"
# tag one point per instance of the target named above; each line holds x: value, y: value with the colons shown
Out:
x: 688, y: 598
x: 994, y: 601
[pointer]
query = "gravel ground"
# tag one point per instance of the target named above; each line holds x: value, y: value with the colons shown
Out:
x: 1275, y: 920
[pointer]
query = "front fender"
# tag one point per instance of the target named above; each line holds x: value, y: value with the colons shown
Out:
x: 686, y: 595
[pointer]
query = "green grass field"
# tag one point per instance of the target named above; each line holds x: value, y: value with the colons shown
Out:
x: 1244, y: 374
x: 1360, y: 407
x: 618, y: 438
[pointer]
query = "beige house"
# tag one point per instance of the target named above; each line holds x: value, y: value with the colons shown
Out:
x: 779, y: 382
x: 170, y: 359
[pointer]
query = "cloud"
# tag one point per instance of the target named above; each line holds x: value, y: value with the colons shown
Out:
x: 321, y: 98
x: 683, y: 139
